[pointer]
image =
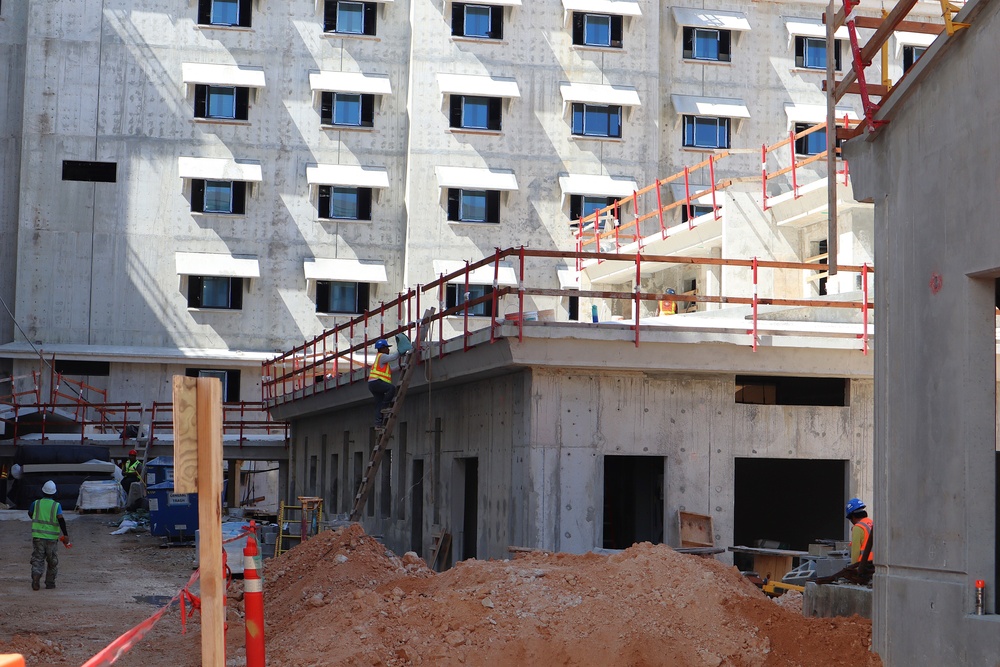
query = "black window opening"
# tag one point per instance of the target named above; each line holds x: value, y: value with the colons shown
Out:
x: 707, y: 132
x: 696, y: 211
x: 600, y: 30
x: 340, y: 297
x: 226, y: 197
x: 472, y: 112
x: 581, y: 206
x: 350, y: 18
x: 911, y: 54
x: 707, y: 44
x: 814, y: 143
x: 456, y: 296
x: 345, y: 203
x: 782, y: 390
x: 75, y: 367
x: 810, y: 53
x: 230, y: 381
x: 215, y: 292
x: 473, y: 205
x: 821, y: 249
x: 573, y: 309
x: 347, y: 109
x: 90, y: 172
x: 221, y: 102
x: 230, y: 13
x: 597, y: 121
x: 477, y: 21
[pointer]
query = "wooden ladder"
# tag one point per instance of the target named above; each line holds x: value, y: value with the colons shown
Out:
x: 389, y: 423
x: 440, y: 548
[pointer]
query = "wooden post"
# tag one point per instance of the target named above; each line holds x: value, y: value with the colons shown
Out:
x: 198, y: 469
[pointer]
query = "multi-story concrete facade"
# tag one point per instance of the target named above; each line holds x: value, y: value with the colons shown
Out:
x: 182, y: 182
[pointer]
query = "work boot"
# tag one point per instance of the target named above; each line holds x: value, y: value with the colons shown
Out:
x: 50, y: 585
x: 34, y: 582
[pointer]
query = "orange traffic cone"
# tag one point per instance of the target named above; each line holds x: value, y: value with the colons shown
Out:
x: 11, y: 660
x: 253, y: 602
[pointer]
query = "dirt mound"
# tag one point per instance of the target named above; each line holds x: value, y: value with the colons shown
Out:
x: 342, y: 599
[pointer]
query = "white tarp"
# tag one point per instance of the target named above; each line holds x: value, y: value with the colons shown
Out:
x: 473, y: 178
x: 216, y: 265
x: 798, y: 27
x: 594, y: 93
x: 347, y: 175
x: 481, y: 276
x: 618, y: 7
x: 219, y: 169
x: 223, y: 75
x: 346, y: 270
x: 473, y: 84
x: 350, y: 82
x: 716, y: 19
x: 597, y: 186
x: 719, y: 107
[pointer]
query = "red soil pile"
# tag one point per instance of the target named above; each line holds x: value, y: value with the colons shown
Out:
x: 342, y: 599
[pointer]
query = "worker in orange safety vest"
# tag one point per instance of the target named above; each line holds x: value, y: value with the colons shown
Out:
x: 380, y: 379
x: 861, y: 533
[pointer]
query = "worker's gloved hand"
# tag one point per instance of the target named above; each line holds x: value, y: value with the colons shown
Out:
x: 65, y: 540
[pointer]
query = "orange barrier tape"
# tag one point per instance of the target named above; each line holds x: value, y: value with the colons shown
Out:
x: 116, y: 649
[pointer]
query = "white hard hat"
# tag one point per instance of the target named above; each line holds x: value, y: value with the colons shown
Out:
x: 49, y: 488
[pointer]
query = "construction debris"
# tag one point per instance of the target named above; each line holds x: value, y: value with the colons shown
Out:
x: 342, y: 599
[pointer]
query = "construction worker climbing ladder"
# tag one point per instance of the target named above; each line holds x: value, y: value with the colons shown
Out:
x: 380, y: 379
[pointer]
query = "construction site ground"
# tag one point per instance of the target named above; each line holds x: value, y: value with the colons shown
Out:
x: 342, y: 599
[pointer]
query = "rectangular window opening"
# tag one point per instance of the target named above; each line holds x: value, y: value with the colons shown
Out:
x: 229, y: 378
x: 456, y: 296
x: 597, y: 121
x: 788, y: 390
x: 91, y: 368
x: 477, y: 21
x: 633, y: 500
x: 810, y: 53
x: 473, y: 205
x: 338, y: 297
x: 90, y: 172
x: 598, y: 30
x: 215, y: 292
x: 706, y: 132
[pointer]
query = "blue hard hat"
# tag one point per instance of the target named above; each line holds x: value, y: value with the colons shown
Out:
x: 381, y: 344
x: 855, y: 505
x: 670, y: 290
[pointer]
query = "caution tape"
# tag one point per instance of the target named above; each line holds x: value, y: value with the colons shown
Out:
x: 119, y: 647
x: 116, y: 649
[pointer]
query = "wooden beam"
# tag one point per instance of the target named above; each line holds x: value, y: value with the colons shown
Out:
x: 876, y: 89
x: 875, y: 43
x: 185, y: 417
x: 872, y: 23
x: 213, y: 596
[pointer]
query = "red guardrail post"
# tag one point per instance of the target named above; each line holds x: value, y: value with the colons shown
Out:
x: 711, y: 175
x: 763, y: 174
x: 795, y: 183
x: 520, y: 297
x: 864, y: 308
x: 659, y: 210
x: 465, y: 311
x: 638, y: 260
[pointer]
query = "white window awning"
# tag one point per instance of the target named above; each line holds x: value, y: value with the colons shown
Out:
x: 617, y: 7
x: 481, y: 276
x: 472, y: 178
x: 591, y: 93
x: 348, y: 175
x: 568, y: 278
x: 715, y: 19
x: 680, y: 194
x: 350, y: 82
x: 240, y: 76
x: 345, y: 270
x: 219, y: 169
x: 484, y: 86
x: 597, y: 186
x: 216, y: 265
x: 920, y: 39
x: 811, y: 28
x: 719, y: 107
x: 815, y: 113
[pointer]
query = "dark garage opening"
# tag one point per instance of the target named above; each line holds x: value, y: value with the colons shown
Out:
x: 633, y: 500
x: 787, y: 504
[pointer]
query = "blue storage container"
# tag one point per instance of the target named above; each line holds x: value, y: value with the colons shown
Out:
x: 173, y: 515
x: 160, y: 470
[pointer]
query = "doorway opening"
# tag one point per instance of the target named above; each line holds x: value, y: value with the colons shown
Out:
x: 465, y: 507
x: 633, y: 500
x: 417, y: 508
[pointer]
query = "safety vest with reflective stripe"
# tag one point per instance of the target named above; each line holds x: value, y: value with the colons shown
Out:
x: 132, y: 467
x: 379, y: 370
x: 44, y: 521
x: 866, y: 525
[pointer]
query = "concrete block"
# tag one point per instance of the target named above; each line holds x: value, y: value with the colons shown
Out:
x: 836, y: 600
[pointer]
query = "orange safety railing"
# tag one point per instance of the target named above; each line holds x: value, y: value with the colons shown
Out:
x: 121, y: 419
x: 80, y: 398
x: 797, y: 162
x: 315, y: 366
x: 244, y: 419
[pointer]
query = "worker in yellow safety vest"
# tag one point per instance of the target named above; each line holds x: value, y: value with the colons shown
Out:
x: 46, y: 522
x: 668, y: 307
x: 380, y: 379
x: 861, y: 533
x: 131, y: 470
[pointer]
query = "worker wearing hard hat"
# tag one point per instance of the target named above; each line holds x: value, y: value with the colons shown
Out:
x: 131, y: 470
x: 380, y: 379
x: 861, y: 533
x: 668, y: 307
x: 46, y: 522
